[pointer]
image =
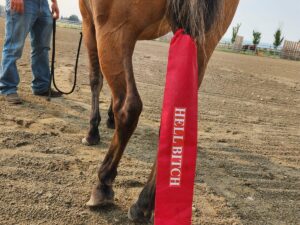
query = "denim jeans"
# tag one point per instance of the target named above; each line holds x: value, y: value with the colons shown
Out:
x: 36, y: 20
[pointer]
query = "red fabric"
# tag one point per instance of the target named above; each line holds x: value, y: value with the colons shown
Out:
x: 177, y: 153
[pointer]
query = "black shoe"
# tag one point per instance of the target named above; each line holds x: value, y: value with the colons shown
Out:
x: 54, y: 94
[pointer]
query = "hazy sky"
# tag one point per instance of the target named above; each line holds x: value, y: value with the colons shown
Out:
x: 262, y: 15
x: 266, y: 16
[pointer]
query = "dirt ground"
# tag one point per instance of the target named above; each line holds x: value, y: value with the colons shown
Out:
x: 249, y: 142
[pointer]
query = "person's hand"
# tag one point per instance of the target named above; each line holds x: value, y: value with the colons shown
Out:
x: 17, y: 6
x: 55, y: 9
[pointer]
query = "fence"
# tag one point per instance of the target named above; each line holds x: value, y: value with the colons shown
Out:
x: 290, y: 50
x: 238, y: 44
x: 2, y: 10
x: 69, y: 24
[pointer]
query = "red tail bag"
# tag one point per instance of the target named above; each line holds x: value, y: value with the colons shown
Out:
x: 177, y: 153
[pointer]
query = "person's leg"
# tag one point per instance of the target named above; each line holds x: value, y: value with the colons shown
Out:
x: 17, y: 27
x: 40, y: 44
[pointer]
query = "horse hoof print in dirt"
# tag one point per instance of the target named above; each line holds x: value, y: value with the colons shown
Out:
x: 111, y: 29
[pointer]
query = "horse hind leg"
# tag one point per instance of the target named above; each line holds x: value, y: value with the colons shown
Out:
x: 110, y: 123
x: 96, y: 83
x: 142, y: 210
x: 115, y: 53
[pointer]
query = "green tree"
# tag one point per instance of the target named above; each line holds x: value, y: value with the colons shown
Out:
x: 235, y: 31
x: 256, y: 37
x: 278, y: 38
x: 74, y: 18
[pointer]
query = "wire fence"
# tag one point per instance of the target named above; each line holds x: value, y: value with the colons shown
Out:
x: 2, y: 10
x: 290, y: 50
x: 69, y: 24
x: 250, y: 49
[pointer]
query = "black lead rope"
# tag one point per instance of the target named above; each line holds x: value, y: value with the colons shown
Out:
x: 52, y: 74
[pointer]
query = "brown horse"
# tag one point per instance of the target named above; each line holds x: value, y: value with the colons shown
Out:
x: 111, y: 29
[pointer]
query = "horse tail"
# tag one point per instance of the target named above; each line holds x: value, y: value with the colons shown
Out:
x: 194, y: 16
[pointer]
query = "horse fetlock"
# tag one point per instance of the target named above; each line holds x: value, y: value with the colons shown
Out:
x: 110, y: 123
x: 138, y: 215
x: 95, y: 121
x: 107, y: 175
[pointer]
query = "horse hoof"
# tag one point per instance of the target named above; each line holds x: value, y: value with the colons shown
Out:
x: 137, y: 215
x: 96, y: 203
x: 99, y: 198
x: 87, y: 142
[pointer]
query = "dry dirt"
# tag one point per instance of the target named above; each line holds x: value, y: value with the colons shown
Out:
x: 249, y: 142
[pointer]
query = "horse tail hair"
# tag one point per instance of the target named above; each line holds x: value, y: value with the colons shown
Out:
x: 196, y: 17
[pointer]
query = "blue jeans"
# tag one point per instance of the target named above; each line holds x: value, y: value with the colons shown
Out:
x: 36, y: 20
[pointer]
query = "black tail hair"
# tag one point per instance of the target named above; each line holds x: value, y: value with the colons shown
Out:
x: 194, y: 16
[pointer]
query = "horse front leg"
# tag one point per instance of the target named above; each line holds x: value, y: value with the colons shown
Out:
x: 96, y: 83
x: 116, y: 64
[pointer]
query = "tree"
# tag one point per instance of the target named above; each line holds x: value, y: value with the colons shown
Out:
x: 74, y: 18
x: 235, y: 31
x: 278, y: 38
x: 256, y: 37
